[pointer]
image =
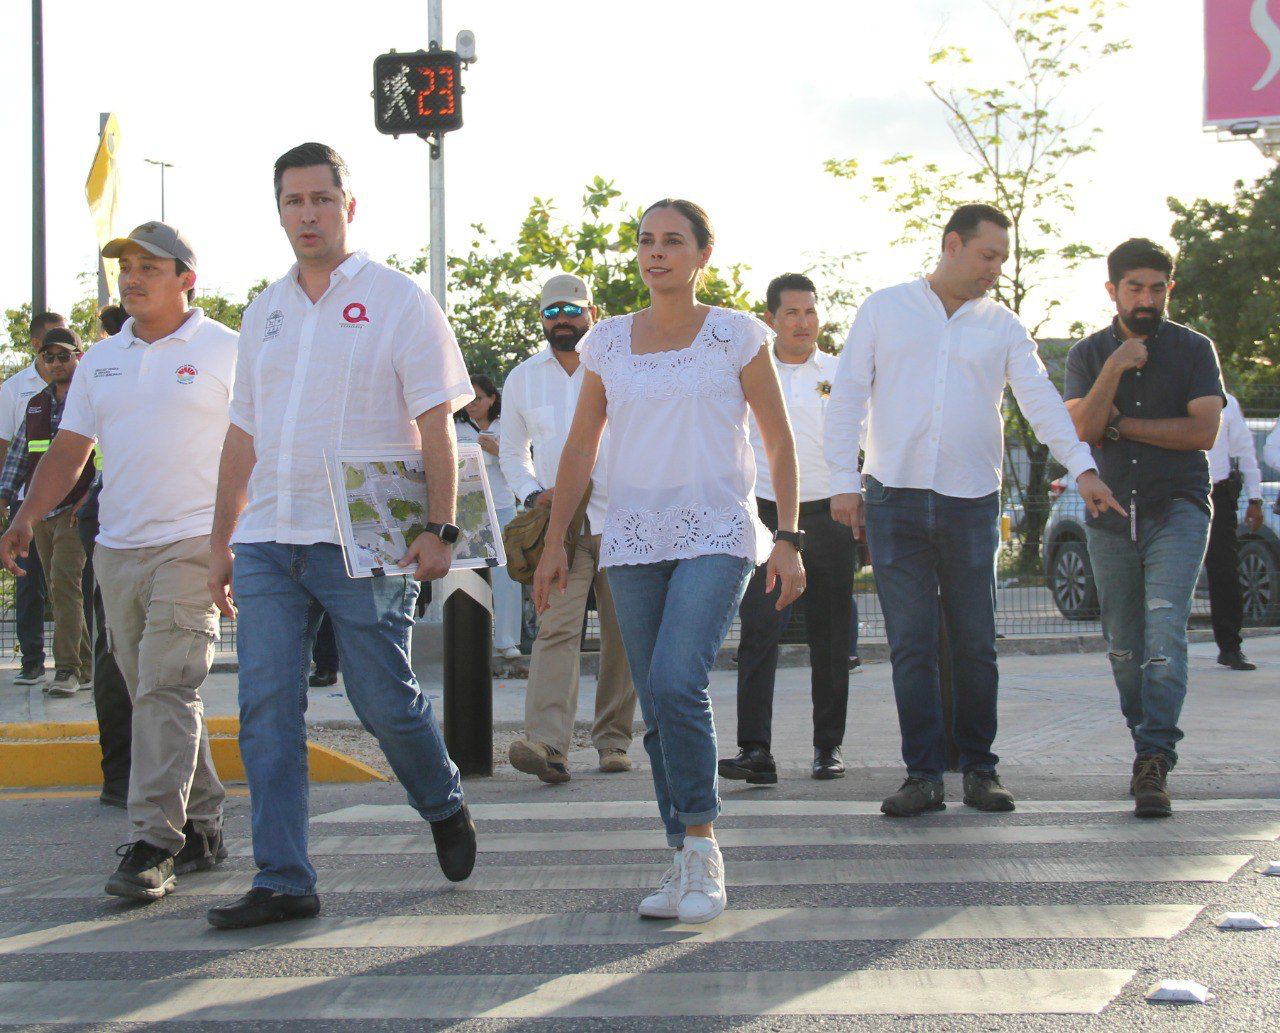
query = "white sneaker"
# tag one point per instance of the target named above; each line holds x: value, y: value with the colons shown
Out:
x: 702, y: 893
x: 511, y: 653
x: 665, y: 900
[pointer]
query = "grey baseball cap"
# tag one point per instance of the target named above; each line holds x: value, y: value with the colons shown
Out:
x: 158, y: 238
x: 566, y: 287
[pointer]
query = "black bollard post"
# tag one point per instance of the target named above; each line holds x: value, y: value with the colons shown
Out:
x: 468, y: 683
x: 946, y: 684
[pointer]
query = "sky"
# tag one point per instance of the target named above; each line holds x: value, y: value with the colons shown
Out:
x: 734, y: 103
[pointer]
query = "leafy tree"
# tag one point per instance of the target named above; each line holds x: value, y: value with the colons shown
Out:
x: 1017, y: 142
x: 493, y: 290
x: 1228, y: 281
x: 225, y: 310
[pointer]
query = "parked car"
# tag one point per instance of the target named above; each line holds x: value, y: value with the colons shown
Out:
x: 1070, y: 576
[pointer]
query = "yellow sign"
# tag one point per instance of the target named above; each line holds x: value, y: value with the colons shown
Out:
x: 103, y: 191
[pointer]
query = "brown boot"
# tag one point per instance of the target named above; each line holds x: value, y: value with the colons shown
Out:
x: 1150, y: 794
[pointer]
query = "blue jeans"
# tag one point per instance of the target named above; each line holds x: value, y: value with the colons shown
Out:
x: 923, y: 545
x: 674, y: 616
x: 1145, y: 588
x: 281, y: 591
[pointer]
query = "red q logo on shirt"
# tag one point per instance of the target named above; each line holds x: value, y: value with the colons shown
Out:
x: 355, y: 313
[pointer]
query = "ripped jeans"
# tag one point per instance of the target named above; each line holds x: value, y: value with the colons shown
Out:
x: 1145, y: 588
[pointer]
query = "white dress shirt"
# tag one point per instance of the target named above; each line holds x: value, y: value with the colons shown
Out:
x: 924, y: 391
x: 805, y: 389
x: 538, y: 402
x: 502, y: 497
x: 15, y: 393
x: 159, y: 414
x: 351, y: 371
x: 1235, y: 441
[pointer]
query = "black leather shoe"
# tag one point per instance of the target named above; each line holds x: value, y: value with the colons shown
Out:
x: 827, y: 762
x: 455, y: 838
x: 261, y: 906
x: 1237, y: 661
x: 753, y: 765
x: 323, y: 678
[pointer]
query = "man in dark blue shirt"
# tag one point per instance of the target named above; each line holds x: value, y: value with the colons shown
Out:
x: 1147, y: 394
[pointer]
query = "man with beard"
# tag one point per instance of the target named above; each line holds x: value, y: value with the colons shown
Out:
x: 1147, y: 394
x: 538, y: 403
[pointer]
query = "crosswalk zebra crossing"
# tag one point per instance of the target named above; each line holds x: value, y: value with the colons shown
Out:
x: 833, y: 911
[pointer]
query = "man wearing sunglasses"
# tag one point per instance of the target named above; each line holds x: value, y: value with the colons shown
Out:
x: 538, y: 402
x: 56, y: 538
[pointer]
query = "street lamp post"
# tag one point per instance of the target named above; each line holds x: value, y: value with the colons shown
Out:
x: 163, y: 165
x: 37, y: 159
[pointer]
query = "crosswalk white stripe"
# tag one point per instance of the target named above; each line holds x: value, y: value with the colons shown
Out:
x: 885, y: 833
x: 737, y: 808
x: 587, y: 995
x: 626, y: 877
x: 764, y: 925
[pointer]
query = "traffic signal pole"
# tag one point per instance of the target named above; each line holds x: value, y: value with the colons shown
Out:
x: 435, y: 183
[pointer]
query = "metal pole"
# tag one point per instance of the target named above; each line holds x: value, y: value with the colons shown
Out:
x: 163, y: 166
x: 38, y: 293
x: 103, y: 296
x: 435, y: 25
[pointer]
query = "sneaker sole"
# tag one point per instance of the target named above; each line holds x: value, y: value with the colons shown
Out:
x: 703, y: 919
x: 131, y: 891
x: 665, y: 913
x: 999, y: 807
x: 36, y: 680
x: 63, y: 693
x: 524, y: 758
x: 894, y: 813
x: 755, y: 778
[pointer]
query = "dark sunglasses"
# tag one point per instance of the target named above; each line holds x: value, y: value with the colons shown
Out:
x: 572, y: 311
x: 59, y: 357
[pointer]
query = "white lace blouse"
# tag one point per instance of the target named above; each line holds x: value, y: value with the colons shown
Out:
x: 681, y: 473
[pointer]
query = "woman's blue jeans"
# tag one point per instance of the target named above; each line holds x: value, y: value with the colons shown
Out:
x: 674, y: 616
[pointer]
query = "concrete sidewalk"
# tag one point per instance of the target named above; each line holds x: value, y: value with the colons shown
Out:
x: 1059, y: 710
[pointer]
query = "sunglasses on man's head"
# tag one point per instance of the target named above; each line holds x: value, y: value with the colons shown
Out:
x: 551, y: 311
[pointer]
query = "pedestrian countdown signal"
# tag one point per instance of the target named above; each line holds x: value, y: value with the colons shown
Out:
x: 417, y: 92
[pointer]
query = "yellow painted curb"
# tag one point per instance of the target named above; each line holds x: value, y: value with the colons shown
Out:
x: 218, y: 725
x: 29, y: 761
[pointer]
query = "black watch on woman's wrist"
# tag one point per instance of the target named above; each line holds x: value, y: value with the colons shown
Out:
x: 531, y: 498
x: 795, y: 538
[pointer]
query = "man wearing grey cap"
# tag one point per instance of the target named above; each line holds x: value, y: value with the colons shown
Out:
x: 155, y: 397
x: 538, y: 403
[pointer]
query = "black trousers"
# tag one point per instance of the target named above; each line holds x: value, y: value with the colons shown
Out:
x: 827, y: 602
x: 30, y: 594
x: 110, y: 694
x: 1222, y: 562
x: 324, y: 654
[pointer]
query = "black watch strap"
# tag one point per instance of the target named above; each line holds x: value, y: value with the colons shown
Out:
x: 447, y: 533
x: 532, y: 497
x: 795, y: 538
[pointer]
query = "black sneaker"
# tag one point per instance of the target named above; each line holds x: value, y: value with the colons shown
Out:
x: 1237, y: 661
x: 261, y: 906
x: 753, y: 765
x: 114, y: 794
x: 455, y: 838
x: 914, y: 796
x: 323, y: 678
x: 982, y: 789
x: 827, y: 763
x: 145, y: 873
x: 32, y: 673
x: 201, y: 851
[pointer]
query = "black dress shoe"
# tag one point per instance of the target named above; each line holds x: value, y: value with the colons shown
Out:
x: 827, y: 762
x: 323, y: 678
x: 261, y: 906
x: 455, y: 838
x: 1237, y: 661
x: 753, y: 765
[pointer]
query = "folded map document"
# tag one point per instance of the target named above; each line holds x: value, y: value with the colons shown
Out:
x: 380, y: 497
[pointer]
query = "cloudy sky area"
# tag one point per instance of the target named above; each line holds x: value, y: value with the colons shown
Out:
x: 734, y: 103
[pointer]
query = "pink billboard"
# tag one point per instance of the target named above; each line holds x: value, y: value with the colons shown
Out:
x: 1242, y: 61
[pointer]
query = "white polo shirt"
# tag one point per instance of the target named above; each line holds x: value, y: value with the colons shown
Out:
x: 15, y: 393
x: 351, y: 371
x: 805, y: 389
x: 159, y: 414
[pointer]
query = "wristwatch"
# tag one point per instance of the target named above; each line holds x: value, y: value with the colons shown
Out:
x: 1112, y: 433
x: 447, y: 533
x: 796, y: 538
x: 532, y: 497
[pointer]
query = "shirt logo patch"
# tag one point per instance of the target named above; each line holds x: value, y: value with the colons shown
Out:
x: 187, y: 374
x: 354, y: 314
x: 274, y: 322
x: 106, y: 371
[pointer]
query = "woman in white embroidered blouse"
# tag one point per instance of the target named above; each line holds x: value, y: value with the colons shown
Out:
x: 681, y: 535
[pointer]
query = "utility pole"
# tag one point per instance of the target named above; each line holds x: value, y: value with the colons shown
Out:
x: 163, y: 165
x: 38, y: 294
x: 435, y: 182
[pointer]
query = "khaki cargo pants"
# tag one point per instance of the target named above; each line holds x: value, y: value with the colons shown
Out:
x: 62, y: 553
x: 161, y: 625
